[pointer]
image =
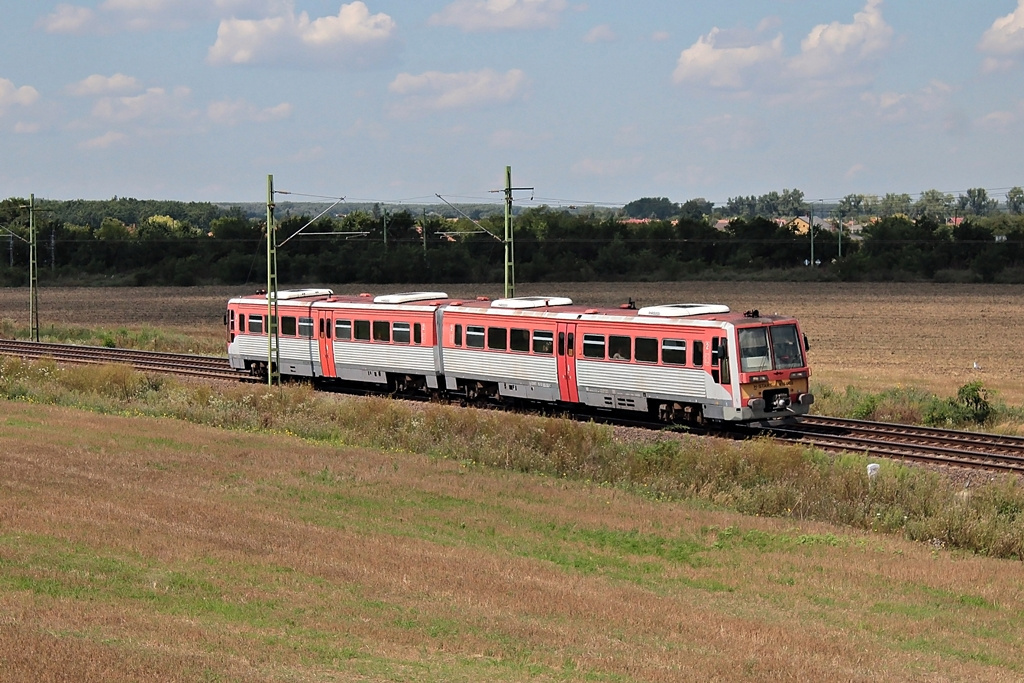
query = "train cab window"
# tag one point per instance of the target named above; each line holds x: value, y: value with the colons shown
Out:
x: 342, y: 329
x: 698, y: 353
x: 475, y: 336
x: 241, y: 322
x: 288, y: 325
x: 673, y: 351
x: 646, y: 350
x: 458, y: 335
x: 497, y: 338
x: 306, y: 328
x: 256, y: 324
x: 519, y: 340
x: 620, y: 348
x: 754, y: 349
x: 232, y: 328
x: 401, y: 333
x: 362, y: 330
x: 593, y: 346
x: 543, y: 342
x: 417, y: 333
x: 786, y: 347
x: 381, y: 330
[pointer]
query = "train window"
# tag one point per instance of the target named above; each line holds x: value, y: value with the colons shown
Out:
x: 786, y: 347
x: 723, y: 358
x: 754, y: 349
x: 381, y: 330
x: 417, y: 333
x: 401, y: 332
x: 321, y: 327
x: 543, y: 341
x: 343, y: 329
x: 458, y: 335
x: 306, y: 328
x: 698, y: 353
x: 256, y: 324
x: 620, y: 348
x: 673, y: 351
x: 519, y: 340
x: 328, y: 329
x: 475, y: 336
x: 561, y: 343
x: 362, y: 330
x: 288, y: 325
x: 593, y: 346
x: 646, y: 350
x: 232, y: 328
x: 241, y: 322
x: 497, y: 338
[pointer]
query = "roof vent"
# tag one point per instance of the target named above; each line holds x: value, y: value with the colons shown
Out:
x: 532, y: 302
x: 285, y: 294
x: 408, y: 297
x: 682, y: 310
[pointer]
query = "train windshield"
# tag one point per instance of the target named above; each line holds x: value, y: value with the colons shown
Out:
x: 770, y: 348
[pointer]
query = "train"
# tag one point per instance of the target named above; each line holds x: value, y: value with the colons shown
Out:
x: 676, y: 363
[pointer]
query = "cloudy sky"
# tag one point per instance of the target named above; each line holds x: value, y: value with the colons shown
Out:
x: 589, y: 101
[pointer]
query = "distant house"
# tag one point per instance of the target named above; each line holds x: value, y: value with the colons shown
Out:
x: 802, y: 224
x: 722, y: 224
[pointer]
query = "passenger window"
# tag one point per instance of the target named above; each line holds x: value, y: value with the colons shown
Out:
x: 497, y: 338
x: 288, y: 326
x: 619, y: 348
x: 381, y: 330
x: 673, y: 351
x: 401, y: 332
x: 698, y: 353
x: 241, y: 322
x: 475, y: 337
x: 458, y: 335
x: 543, y: 342
x: 646, y: 350
x: 343, y: 329
x: 256, y: 324
x: 593, y: 346
x: 362, y: 330
x: 519, y: 340
x: 328, y: 329
x: 306, y: 328
x: 417, y: 333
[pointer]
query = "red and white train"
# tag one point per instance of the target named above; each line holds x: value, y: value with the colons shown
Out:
x: 678, y: 362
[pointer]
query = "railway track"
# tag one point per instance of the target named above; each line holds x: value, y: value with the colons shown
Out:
x: 906, y: 442
x: 210, y: 367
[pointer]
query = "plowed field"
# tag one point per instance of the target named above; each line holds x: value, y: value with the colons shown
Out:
x: 870, y: 335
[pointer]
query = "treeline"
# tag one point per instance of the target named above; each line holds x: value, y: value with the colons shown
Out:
x: 133, y: 242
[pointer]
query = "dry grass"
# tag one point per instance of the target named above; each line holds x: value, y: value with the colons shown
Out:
x: 870, y: 335
x: 133, y: 549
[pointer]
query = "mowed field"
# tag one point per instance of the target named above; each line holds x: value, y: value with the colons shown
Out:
x: 869, y: 335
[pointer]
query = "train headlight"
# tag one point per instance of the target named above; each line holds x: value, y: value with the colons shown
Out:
x: 800, y: 374
x: 759, y: 378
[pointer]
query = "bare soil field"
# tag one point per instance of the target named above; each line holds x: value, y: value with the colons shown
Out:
x: 132, y: 549
x: 869, y: 335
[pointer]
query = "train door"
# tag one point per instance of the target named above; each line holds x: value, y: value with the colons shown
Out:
x: 325, y: 340
x: 566, y: 354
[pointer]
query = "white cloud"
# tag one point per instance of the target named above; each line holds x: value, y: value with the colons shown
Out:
x: 104, y: 85
x: 1006, y: 35
x: 723, y: 67
x: 104, y: 141
x: 10, y: 95
x: 600, y: 34
x: 897, y: 106
x: 153, y: 105
x: 353, y: 37
x: 69, y: 19
x: 435, y: 90
x: 834, y: 48
x: 490, y: 15
x: 112, y: 16
x: 232, y: 112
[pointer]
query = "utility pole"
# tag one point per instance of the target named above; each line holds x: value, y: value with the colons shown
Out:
x: 810, y: 229
x: 384, y: 218
x: 33, y: 269
x: 510, y: 253
x: 273, y: 353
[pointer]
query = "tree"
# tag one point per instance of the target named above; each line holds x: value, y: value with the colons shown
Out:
x: 851, y: 205
x: 977, y: 202
x: 1015, y: 200
x: 696, y: 209
x: 935, y: 205
x: 894, y: 205
x: 659, y: 208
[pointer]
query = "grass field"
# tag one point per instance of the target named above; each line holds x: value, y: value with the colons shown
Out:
x: 132, y: 549
x: 869, y: 335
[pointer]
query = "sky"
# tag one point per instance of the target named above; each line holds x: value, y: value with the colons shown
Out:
x: 589, y: 101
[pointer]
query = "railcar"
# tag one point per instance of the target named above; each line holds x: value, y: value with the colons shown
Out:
x: 678, y: 362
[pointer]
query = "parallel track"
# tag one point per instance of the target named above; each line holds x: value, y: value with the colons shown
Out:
x: 905, y: 442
